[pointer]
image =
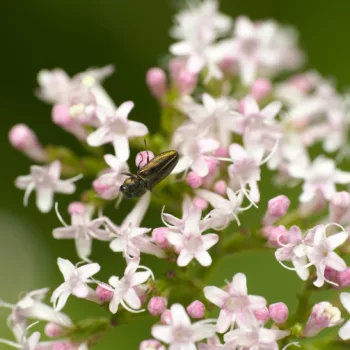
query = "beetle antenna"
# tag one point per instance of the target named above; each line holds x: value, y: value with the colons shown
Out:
x: 129, y: 174
x: 146, y: 148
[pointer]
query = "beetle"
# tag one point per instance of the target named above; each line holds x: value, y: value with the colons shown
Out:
x: 150, y: 175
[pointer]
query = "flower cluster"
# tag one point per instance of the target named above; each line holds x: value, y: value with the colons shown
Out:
x: 230, y: 123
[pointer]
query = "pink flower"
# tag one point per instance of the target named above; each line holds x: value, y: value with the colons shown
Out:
x: 123, y: 289
x: 156, y: 82
x: 75, y: 282
x: 45, y: 181
x: 194, y: 180
x: 24, y: 139
x: 166, y: 317
x: 278, y: 312
x: 262, y: 315
x: 196, y: 309
x: 157, y: 305
x: 344, y: 332
x: 323, y: 315
x: 189, y: 241
x: 159, y: 237
x: 234, y: 303
x: 180, y: 332
x: 115, y: 128
x: 53, y: 330
x: 107, y: 185
x: 82, y: 229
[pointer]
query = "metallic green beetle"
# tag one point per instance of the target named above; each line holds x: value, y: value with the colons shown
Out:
x: 150, y: 175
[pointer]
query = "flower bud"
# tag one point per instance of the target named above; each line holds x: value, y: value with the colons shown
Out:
x: 24, y: 139
x: 103, y: 292
x: 277, y: 208
x: 323, y: 315
x: 212, y: 164
x: 159, y: 237
x: 194, y: 180
x: 64, y: 345
x: 142, y: 158
x: 278, y: 312
x: 151, y: 344
x: 53, y: 330
x: 262, y: 314
x: 196, y: 309
x: 221, y: 152
x: 165, y: 318
x: 102, y: 188
x: 339, y: 205
x: 61, y: 116
x: 220, y: 187
x: 76, y: 208
x: 261, y: 88
x: 186, y: 82
x: 176, y: 65
x: 344, y: 278
x: 156, y: 82
x: 200, y: 203
x: 157, y: 305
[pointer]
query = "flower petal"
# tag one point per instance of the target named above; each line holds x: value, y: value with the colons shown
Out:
x: 121, y: 146
x: 337, y: 239
x: 334, y: 261
x: 179, y: 316
x: 215, y: 295
x: 66, y: 268
x: 184, y: 257
x: 163, y: 333
x: 124, y: 109
x: 88, y: 270
x: 344, y: 331
x: 203, y: 258
x: 44, y: 198
x: 132, y: 299
x: 239, y: 284
x: 209, y: 240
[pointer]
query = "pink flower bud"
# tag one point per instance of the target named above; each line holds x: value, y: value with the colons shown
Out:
x: 194, y: 180
x: 24, y: 139
x: 344, y: 278
x: 159, y: 237
x: 196, y: 309
x: 266, y: 230
x: 142, y: 158
x: 151, y: 344
x: 186, y: 82
x: 331, y: 274
x: 103, y: 292
x: 323, y: 315
x: 278, y: 312
x: 100, y: 188
x: 212, y: 164
x: 278, y: 206
x: 200, y: 203
x: 176, y: 65
x: 64, y: 345
x: 278, y: 235
x: 220, y: 187
x: 339, y: 205
x: 241, y: 106
x: 221, y: 152
x: 76, y: 208
x: 157, y: 305
x: 156, y: 82
x: 262, y: 314
x: 165, y: 318
x: 61, y: 116
x: 53, y: 330
x: 261, y: 88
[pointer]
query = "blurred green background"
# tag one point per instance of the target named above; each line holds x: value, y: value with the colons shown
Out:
x: 132, y: 35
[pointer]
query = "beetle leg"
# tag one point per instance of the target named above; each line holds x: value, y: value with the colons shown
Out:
x: 146, y: 150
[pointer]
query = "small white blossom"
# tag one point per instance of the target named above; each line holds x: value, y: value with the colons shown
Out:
x: 180, y: 333
x: 344, y: 332
x: 124, y: 291
x: 45, y: 181
x: 117, y: 129
x: 75, y: 282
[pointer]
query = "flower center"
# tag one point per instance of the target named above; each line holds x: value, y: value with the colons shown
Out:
x: 193, y: 243
x: 234, y: 303
x: 183, y: 334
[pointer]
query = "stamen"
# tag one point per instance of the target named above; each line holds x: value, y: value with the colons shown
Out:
x: 27, y: 193
x: 147, y: 269
x: 10, y: 343
x: 273, y: 151
x: 59, y: 216
x: 126, y: 307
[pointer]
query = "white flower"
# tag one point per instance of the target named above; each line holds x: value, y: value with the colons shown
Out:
x: 83, y: 230
x: 263, y: 47
x: 45, y: 181
x: 320, y: 176
x: 130, y: 239
x: 117, y: 129
x: 75, y: 282
x: 252, y: 335
x: 180, y: 333
x: 124, y: 291
x: 344, y: 332
x: 225, y: 210
x: 197, y: 28
x: 31, y: 343
x: 215, y: 115
x: 234, y: 303
x: 30, y: 306
x: 189, y: 241
x: 193, y: 149
x: 322, y: 254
